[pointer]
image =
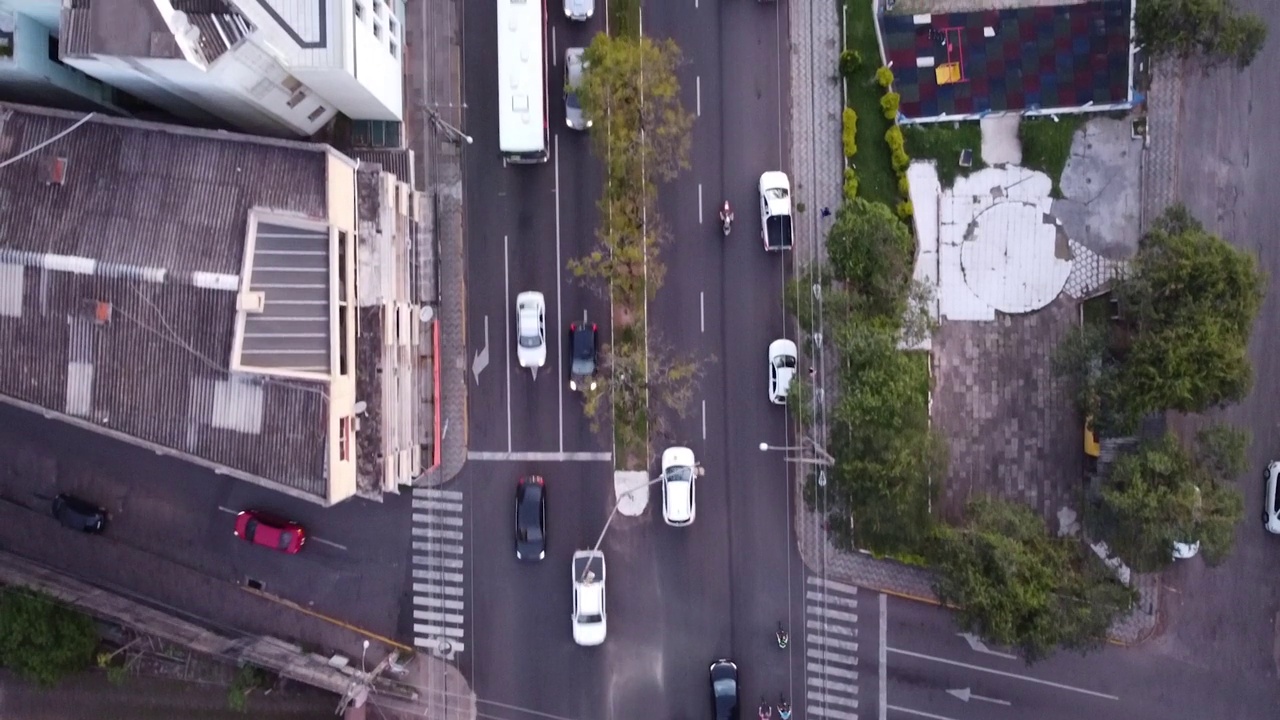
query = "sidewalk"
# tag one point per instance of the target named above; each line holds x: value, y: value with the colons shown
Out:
x: 815, y: 148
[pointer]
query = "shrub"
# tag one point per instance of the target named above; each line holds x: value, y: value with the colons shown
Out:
x: 905, y: 210
x: 850, y: 184
x: 900, y: 160
x: 884, y: 76
x: 889, y: 104
x: 849, y: 132
x: 893, y: 136
x: 850, y: 63
x: 904, y: 186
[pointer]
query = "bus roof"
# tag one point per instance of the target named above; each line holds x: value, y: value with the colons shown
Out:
x: 521, y: 80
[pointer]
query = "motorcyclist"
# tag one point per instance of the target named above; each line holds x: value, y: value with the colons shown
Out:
x: 784, y: 709
x: 726, y: 215
x: 766, y: 710
x: 782, y: 636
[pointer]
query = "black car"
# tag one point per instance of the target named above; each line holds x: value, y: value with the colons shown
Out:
x: 79, y: 514
x: 724, y: 689
x: 582, y: 371
x: 531, y: 518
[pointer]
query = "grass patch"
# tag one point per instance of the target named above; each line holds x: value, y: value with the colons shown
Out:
x: 942, y: 143
x: 1046, y: 145
x: 624, y: 18
x: 876, y: 179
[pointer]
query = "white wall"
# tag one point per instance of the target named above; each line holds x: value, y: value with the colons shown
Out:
x: 45, y: 12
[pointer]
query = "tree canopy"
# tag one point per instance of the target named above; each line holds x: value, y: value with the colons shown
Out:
x: 42, y: 640
x: 1212, y: 29
x: 872, y: 250
x: 1161, y: 494
x: 1016, y: 585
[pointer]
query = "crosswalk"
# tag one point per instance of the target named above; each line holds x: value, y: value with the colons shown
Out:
x: 437, y: 571
x: 831, y: 647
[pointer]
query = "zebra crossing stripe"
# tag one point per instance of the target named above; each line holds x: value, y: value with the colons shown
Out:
x: 833, y: 585
x: 831, y: 671
x: 831, y: 649
x: 829, y: 613
x: 813, y: 596
x: 824, y: 626
x: 826, y: 712
x: 436, y: 505
x: 437, y: 493
x: 833, y: 685
x: 436, y: 564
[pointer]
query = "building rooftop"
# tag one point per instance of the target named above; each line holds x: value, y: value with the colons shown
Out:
x: 131, y: 258
x: 135, y: 28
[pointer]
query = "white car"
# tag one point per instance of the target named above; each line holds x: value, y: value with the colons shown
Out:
x: 679, y: 473
x: 782, y: 370
x: 775, y: 211
x: 1187, y: 549
x: 1270, y: 501
x: 579, y: 9
x: 589, y: 616
x: 531, y: 330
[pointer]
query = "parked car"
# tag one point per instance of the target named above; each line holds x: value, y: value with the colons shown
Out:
x: 79, y: 514
x: 782, y: 370
x: 531, y: 518
x: 584, y: 341
x: 679, y: 473
x: 1270, y: 501
x: 724, y: 689
x: 270, y: 531
x: 590, y: 619
x: 531, y: 330
x: 574, y: 64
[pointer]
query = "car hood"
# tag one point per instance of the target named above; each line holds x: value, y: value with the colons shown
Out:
x: 578, y: 8
x: 673, y: 456
x: 592, y: 634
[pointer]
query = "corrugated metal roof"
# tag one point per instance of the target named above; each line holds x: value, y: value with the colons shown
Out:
x: 126, y: 278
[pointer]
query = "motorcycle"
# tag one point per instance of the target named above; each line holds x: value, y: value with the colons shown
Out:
x: 766, y: 710
x: 726, y: 218
x: 782, y: 637
x: 784, y: 708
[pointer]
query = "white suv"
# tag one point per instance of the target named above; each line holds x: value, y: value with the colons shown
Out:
x: 1270, y: 501
x: 589, y: 615
x: 679, y: 499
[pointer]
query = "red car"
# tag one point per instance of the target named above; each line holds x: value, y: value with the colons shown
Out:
x: 269, y: 531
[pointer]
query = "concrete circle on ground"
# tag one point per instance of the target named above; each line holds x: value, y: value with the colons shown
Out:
x: 1012, y: 259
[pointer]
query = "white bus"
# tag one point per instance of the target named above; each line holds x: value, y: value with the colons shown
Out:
x: 522, y: 81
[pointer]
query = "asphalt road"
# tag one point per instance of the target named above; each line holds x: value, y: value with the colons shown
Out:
x: 1226, y: 617
x: 168, y: 517
x: 678, y: 598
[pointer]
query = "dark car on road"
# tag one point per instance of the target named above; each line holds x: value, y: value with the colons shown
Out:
x: 79, y: 514
x: 582, y: 371
x: 270, y: 531
x: 531, y: 518
x: 724, y: 689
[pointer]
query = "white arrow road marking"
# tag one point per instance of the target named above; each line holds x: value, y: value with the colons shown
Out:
x: 977, y: 645
x: 481, y: 360
x: 964, y: 695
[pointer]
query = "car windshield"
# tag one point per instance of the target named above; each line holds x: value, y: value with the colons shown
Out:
x: 725, y: 687
x: 784, y: 361
x: 529, y: 336
x: 680, y: 473
x: 776, y: 193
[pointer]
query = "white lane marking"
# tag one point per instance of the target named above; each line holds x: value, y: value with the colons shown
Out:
x: 506, y: 275
x: 697, y: 84
x: 976, y: 644
x: 699, y: 203
x: 704, y: 419
x: 555, y: 56
x: 919, y: 713
x: 702, y: 311
x: 559, y: 309
x: 542, y: 456
x: 229, y: 511
x: 965, y: 695
x: 1002, y: 673
x: 884, y: 651
x: 330, y: 543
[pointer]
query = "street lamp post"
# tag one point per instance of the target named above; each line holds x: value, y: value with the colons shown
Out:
x: 697, y: 469
x: 447, y: 128
x: 822, y: 457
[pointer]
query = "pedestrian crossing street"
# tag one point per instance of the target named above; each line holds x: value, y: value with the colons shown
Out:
x: 438, y: 584
x: 831, y: 647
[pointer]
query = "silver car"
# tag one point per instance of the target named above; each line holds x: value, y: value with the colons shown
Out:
x: 574, y: 64
x: 579, y: 9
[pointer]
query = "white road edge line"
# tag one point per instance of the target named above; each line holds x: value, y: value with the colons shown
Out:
x: 330, y: 543
x: 699, y: 203
x: 559, y: 308
x: 554, y: 55
x: 697, y: 85
x: 702, y: 309
x: 704, y: 419
x: 1002, y: 673
x: 506, y: 274
x: 884, y: 664
x: 533, y: 456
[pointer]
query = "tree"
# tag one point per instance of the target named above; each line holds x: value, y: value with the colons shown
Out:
x: 42, y: 640
x: 1189, y: 302
x: 1212, y: 29
x: 1160, y: 494
x: 884, y: 449
x: 630, y: 88
x: 872, y: 250
x: 1016, y: 585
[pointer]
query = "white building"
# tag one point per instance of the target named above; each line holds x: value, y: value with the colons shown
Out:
x: 279, y: 67
x: 29, y: 67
